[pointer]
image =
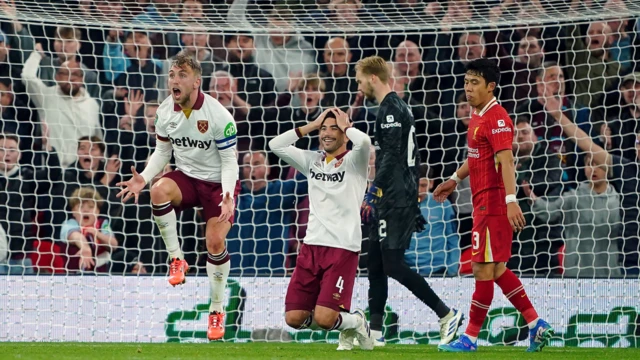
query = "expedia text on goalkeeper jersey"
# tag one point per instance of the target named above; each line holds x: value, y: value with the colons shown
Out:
x: 335, y: 177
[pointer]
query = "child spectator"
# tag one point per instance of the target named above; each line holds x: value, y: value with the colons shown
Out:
x: 91, y: 244
x: 591, y: 214
x: 436, y: 249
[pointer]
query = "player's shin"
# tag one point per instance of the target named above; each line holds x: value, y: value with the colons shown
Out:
x: 513, y: 289
x: 218, y: 266
x: 480, y: 303
x: 165, y: 217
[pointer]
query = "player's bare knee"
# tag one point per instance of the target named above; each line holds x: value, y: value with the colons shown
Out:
x: 483, y: 271
x: 326, y: 320
x: 162, y: 191
x: 498, y: 270
x: 295, y: 318
x: 215, y: 243
x: 215, y: 235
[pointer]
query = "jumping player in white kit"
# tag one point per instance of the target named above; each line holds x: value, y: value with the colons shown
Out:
x: 201, y: 133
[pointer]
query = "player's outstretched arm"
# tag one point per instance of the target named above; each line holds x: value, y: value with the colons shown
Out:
x: 445, y: 189
x: 282, y: 145
x: 157, y: 162
x: 514, y: 213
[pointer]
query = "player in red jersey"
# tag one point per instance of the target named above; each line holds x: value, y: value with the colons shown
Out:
x: 496, y: 213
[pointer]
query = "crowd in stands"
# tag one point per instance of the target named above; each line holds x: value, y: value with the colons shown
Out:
x: 78, y: 107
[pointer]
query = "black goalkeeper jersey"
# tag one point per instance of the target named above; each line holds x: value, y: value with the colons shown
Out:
x: 397, y: 156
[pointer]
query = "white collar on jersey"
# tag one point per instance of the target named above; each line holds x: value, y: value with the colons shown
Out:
x: 486, y: 108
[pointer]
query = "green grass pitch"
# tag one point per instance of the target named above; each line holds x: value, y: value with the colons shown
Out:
x: 220, y: 351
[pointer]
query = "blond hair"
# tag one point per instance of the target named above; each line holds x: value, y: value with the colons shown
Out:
x: 85, y: 194
x: 311, y: 80
x: 374, y: 65
x: 183, y: 59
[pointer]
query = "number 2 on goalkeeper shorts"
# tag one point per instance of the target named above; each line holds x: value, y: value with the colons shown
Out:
x: 340, y: 285
x: 382, y: 228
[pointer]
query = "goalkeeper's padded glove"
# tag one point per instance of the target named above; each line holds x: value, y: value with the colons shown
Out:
x: 368, y: 207
x: 421, y: 222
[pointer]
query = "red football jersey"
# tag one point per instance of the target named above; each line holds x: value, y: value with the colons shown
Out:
x: 490, y: 132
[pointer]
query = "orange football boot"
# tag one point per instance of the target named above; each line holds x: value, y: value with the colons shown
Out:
x: 177, y: 271
x: 216, y: 326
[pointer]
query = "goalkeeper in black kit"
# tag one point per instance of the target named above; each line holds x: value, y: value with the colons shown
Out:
x: 391, y: 204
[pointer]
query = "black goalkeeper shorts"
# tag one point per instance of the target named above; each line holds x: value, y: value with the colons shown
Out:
x: 394, y: 228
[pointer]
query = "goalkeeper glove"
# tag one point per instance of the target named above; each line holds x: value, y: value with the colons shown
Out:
x: 421, y: 222
x: 368, y: 207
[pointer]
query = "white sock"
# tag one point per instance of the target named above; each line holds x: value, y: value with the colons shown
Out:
x: 376, y: 334
x: 349, y: 321
x: 218, y: 274
x: 168, y: 226
x: 472, y: 338
x: 533, y: 323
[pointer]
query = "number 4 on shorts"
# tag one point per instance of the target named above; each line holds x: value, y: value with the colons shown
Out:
x: 340, y: 284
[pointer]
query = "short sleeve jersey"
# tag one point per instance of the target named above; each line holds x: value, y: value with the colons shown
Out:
x: 198, y: 138
x: 490, y: 132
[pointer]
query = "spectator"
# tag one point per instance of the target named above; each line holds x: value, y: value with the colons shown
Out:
x: 621, y: 44
x: 435, y: 250
x: 550, y: 80
x: 15, y: 45
x: 449, y: 67
x: 21, y: 185
x: 282, y: 52
x: 195, y: 43
x: 136, y: 133
x: 192, y: 11
x: 92, y: 170
x: 162, y: 12
x: 538, y: 243
x: 310, y: 92
x: 337, y: 75
x: 143, y: 71
x: 590, y: 65
x: 518, y: 75
x: 625, y: 126
x: 91, y: 245
x: 591, y: 216
x: 455, y: 142
x: 69, y: 112
x: 17, y: 118
x: 66, y: 44
x: 624, y: 175
x: 257, y: 244
x: 103, y: 12
x: 255, y: 85
x: 550, y: 36
x: 409, y: 66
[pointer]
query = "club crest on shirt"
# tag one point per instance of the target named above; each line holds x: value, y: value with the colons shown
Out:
x: 339, y: 163
x: 474, y: 132
x: 203, y: 126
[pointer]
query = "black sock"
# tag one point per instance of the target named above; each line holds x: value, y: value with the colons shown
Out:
x: 396, y: 268
x: 378, y: 286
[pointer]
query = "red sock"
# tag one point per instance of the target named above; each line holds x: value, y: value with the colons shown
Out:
x: 513, y: 289
x: 480, y: 303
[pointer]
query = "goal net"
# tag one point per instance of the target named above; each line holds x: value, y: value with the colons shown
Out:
x: 81, y: 81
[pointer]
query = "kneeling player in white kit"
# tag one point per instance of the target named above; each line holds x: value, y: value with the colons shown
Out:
x: 320, y: 291
x: 202, y: 135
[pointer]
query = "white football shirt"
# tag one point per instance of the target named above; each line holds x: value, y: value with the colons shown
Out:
x: 202, y: 141
x: 336, y: 188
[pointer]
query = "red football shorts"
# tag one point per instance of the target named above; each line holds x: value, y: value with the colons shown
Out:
x: 491, y: 239
x: 323, y: 276
x: 200, y: 193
